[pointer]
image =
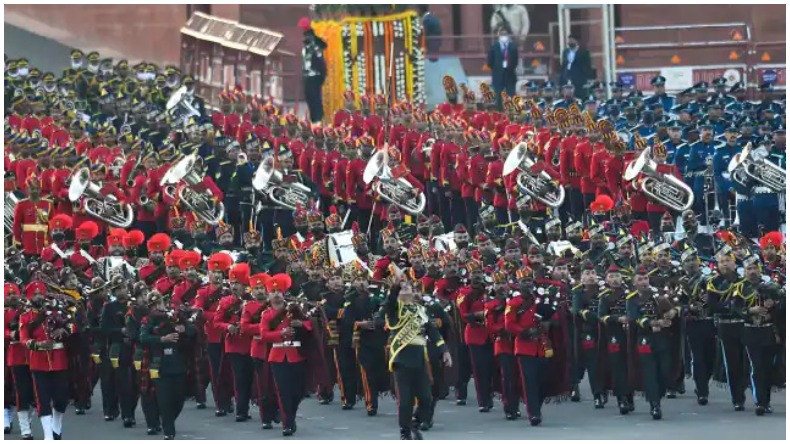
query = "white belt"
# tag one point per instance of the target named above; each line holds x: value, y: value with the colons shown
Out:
x: 287, y: 344
x: 762, y: 190
x: 256, y: 337
x: 418, y: 341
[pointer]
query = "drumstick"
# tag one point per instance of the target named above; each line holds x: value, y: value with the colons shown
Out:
x: 345, y: 219
x: 372, y: 215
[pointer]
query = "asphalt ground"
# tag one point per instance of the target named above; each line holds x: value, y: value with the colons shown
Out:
x: 683, y: 419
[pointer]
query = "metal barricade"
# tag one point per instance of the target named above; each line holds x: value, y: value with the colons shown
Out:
x: 687, y: 54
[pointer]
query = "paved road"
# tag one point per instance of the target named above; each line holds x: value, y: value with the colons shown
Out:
x: 41, y: 52
x: 683, y: 419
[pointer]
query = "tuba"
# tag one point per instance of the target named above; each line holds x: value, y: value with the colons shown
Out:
x: 269, y: 181
x: 745, y: 167
x: 179, y: 107
x: 195, y: 197
x: 665, y: 189
x: 106, y: 208
x: 398, y: 192
x: 538, y: 186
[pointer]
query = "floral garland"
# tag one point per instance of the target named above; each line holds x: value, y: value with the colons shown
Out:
x: 334, y: 86
x: 359, y: 53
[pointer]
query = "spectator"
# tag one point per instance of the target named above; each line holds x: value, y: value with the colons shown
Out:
x: 514, y: 18
x: 576, y: 67
x: 433, y: 34
x: 503, y: 60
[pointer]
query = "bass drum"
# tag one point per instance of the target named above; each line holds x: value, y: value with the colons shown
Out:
x: 341, y: 248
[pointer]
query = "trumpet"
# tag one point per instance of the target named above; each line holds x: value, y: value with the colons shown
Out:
x: 135, y: 172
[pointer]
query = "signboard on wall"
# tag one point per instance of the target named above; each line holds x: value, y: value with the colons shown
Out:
x: 681, y: 79
x: 678, y: 78
x: 773, y: 74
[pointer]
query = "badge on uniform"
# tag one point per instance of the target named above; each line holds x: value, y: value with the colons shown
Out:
x: 168, y: 351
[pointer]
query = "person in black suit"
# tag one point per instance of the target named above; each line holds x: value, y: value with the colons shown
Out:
x: 576, y: 67
x: 503, y: 60
x: 313, y: 70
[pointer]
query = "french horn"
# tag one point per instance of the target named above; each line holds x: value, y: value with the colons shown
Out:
x: 664, y: 189
x: 267, y: 180
x: 398, y: 192
x: 744, y: 167
x: 540, y: 186
x: 106, y: 208
x: 195, y: 196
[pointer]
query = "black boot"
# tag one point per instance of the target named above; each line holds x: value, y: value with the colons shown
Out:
x: 575, y: 395
x: 129, y: 423
x: 671, y: 394
x: 29, y: 437
x: 655, y: 411
x: 6, y: 430
x: 154, y: 430
x: 415, y: 432
x: 405, y: 434
x: 738, y: 407
x: 220, y: 413
x: 201, y: 405
x: 622, y: 403
x: 759, y: 410
x: 267, y: 425
x: 598, y: 402
x: 535, y: 421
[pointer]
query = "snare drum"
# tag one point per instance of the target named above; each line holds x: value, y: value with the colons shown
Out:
x: 341, y: 248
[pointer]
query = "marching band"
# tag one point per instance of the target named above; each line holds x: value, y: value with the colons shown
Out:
x: 158, y: 250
